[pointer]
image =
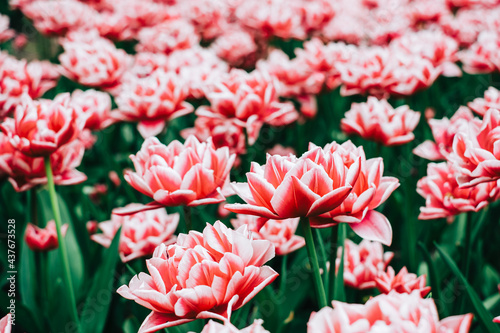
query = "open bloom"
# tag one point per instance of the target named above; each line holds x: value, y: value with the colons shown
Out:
x: 141, y: 233
x: 92, y: 60
x: 482, y: 56
x: 203, y: 275
x: 403, y: 282
x: 152, y: 101
x: 6, y: 324
x: 224, y: 133
x: 39, y: 128
x: 5, y: 32
x: 95, y: 106
x: 387, y: 313
x: 377, y: 120
x: 476, y: 151
x: 279, y: 232
x: 43, y: 239
x: 251, y: 99
x: 363, y: 263
x: 59, y: 17
x: 491, y: 100
x: 18, y: 77
x: 193, y: 173
x: 25, y: 172
x: 444, y: 197
x: 170, y: 35
x: 287, y: 186
x: 370, y: 190
x: 214, y: 327
x: 443, y: 131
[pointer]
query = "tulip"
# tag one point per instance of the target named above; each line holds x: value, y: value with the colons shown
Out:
x: 443, y: 131
x: 491, y: 100
x: 95, y: 106
x: 403, y: 282
x: 140, y: 234
x: 26, y: 172
x: 6, y: 324
x: 43, y: 239
x: 192, y: 174
x: 378, y: 121
x: 279, y: 232
x: 476, y: 152
x: 370, y: 191
x: 363, y: 263
x: 203, y: 275
x: 214, y: 327
x: 288, y: 187
x: 387, y: 313
x: 39, y: 128
x: 444, y: 197
x: 152, y: 101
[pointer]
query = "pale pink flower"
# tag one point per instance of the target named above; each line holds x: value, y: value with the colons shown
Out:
x: 387, y: 313
x: 237, y: 47
x: 199, y: 67
x: 6, y: 324
x: 20, y: 42
x: 444, y: 197
x: 203, y: 275
x: 326, y: 59
x: 39, y: 128
x: 440, y: 49
x: 193, y: 173
x: 95, y: 106
x: 369, y: 191
x: 363, y: 263
x: 491, y: 100
x: 227, y: 327
x: 279, y: 232
x: 378, y: 121
x: 403, y: 282
x: 443, y: 131
x: 289, y: 187
x: 250, y: 99
x: 26, y: 172
x: 93, y: 61
x: 315, y: 14
x: 208, y: 17
x: 482, y: 56
x: 170, y: 35
x: 140, y: 233
x: 261, y: 16
x: 295, y: 77
x: 43, y: 239
x: 59, y: 17
x: 152, y: 101
x: 281, y: 150
x: 427, y: 11
x: 224, y: 133
x: 115, y: 179
x: 18, y: 77
x: 476, y: 151
x: 381, y: 72
x: 5, y: 32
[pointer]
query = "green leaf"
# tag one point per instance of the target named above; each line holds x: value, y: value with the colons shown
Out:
x: 339, y: 288
x: 434, y: 278
x: 96, y: 308
x: 484, y: 317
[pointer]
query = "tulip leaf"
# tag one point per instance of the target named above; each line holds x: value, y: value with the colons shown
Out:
x: 434, y: 279
x: 339, y: 288
x: 96, y: 308
x: 484, y: 317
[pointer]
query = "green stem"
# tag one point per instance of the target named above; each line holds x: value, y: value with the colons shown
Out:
x: 323, y: 260
x: 187, y: 218
x: 284, y: 261
x: 62, y: 244
x: 333, y: 259
x: 313, y: 259
x: 467, y: 252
